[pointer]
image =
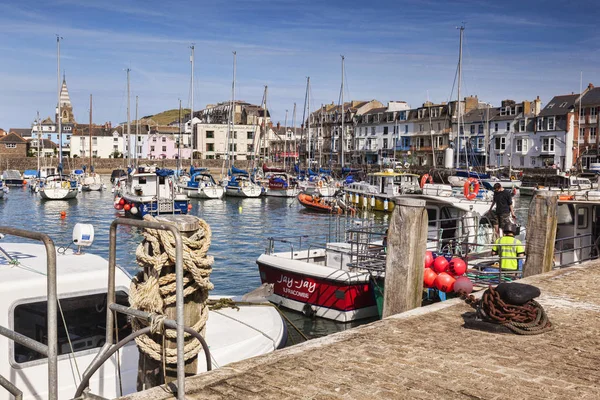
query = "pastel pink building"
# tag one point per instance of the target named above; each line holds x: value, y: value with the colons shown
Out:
x: 161, y: 146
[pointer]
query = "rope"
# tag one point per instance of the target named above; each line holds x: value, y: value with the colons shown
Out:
x: 528, y: 319
x: 153, y: 289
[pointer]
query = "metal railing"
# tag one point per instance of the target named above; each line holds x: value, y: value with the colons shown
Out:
x: 586, y: 252
x: 51, y: 349
x: 110, y: 347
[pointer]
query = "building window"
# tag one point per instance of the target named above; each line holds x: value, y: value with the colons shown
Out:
x: 421, y: 113
x: 250, y: 148
x: 439, y: 141
x: 551, y: 123
x: 405, y: 128
x: 508, y: 127
x: 385, y: 143
x: 210, y: 146
x: 95, y: 153
x: 68, y: 137
x: 421, y: 128
x: 402, y: 115
x: 522, y: 145
x: 593, y: 112
x: 164, y: 139
x: 500, y: 143
x: 496, y: 127
x: 439, y: 126
x: 116, y: 147
x: 472, y: 129
x: 385, y: 131
x: 140, y: 149
x: 115, y: 139
x: 164, y: 148
x: 94, y: 140
x: 593, y: 134
x: 522, y: 125
x: 548, y: 145
x: 249, y: 135
x: 154, y: 139
x: 480, y: 128
x: 235, y: 134
x: 11, y: 145
x: 151, y: 148
x: 372, y: 130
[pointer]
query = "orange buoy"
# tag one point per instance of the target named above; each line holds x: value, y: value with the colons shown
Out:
x: 428, y: 259
x: 126, y: 207
x: 457, y: 266
x: 429, y: 276
x: 444, y: 282
x: 63, y: 214
x: 24, y: 182
x: 440, y: 264
x: 463, y: 284
x: 189, y: 207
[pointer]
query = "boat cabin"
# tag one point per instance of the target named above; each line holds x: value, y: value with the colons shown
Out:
x: 577, y: 231
x: 145, y: 182
x: 394, y: 183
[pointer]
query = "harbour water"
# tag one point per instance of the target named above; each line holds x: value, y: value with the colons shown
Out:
x: 240, y: 228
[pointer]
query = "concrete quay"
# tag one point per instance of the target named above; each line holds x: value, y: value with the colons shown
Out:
x: 426, y: 353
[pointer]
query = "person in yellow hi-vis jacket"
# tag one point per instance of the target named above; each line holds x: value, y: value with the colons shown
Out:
x: 508, y: 254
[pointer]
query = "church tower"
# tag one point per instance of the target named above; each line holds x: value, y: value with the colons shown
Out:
x: 66, y: 109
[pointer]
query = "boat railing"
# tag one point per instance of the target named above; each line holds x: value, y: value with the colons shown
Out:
x: 582, y: 248
x: 50, y: 349
x: 109, y: 347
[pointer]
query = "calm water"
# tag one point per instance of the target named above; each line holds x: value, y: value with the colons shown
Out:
x: 240, y: 228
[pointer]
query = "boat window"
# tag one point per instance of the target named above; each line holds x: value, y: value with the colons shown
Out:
x: 564, y: 214
x: 432, y: 216
x: 582, y: 218
x: 142, y: 180
x: 85, y: 318
x: 161, y: 180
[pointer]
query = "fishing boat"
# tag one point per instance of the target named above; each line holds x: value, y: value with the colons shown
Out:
x: 79, y: 283
x: 201, y: 185
x: 318, y: 204
x: 281, y: 184
x: 240, y: 184
x: 150, y: 190
x: 58, y: 187
x: 380, y: 189
x: 12, y: 177
x: 92, y: 182
x: 568, y: 185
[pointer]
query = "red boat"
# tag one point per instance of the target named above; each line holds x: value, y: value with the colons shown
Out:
x: 318, y: 282
x: 322, y: 205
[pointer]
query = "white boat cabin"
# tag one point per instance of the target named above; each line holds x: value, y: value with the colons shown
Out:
x: 577, y: 231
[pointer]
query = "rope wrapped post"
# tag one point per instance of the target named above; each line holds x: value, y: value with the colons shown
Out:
x: 154, y: 290
x: 541, y: 234
x: 407, y: 243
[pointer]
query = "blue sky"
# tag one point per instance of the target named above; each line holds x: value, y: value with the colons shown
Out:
x: 395, y: 50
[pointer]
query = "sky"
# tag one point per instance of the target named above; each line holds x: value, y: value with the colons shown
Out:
x: 394, y: 50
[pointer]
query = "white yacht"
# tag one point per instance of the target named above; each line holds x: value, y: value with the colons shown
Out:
x: 58, y: 187
x: 201, y: 185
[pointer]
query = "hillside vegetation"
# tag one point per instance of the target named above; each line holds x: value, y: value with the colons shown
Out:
x: 166, y: 117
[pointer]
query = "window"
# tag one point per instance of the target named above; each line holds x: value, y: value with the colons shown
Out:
x: 439, y: 141
x: 115, y: 147
x: 582, y: 112
x: 164, y: 148
x: 372, y: 130
x: 540, y: 124
x: 233, y: 147
x: 508, y: 126
x: 593, y: 112
x: 550, y: 105
x: 405, y: 128
x: 581, y: 133
x: 249, y: 135
x: 548, y: 145
x: 87, y: 326
x: 114, y: 139
x: 593, y: 134
x: 562, y: 105
x: 11, y: 145
x: 95, y: 153
x: 154, y: 139
x: 402, y: 115
x: 235, y: 134
x: 94, y: 140
x: 210, y: 147
x: 385, y: 131
x: 385, y: 143
x: 582, y: 219
x: 164, y: 139
x: 522, y: 145
x: 421, y: 128
x: 68, y: 137
x: 551, y: 123
x: 151, y: 148
x: 472, y: 129
x: 480, y: 128
x: 439, y: 126
x: 139, y: 138
x: 501, y: 143
x: 434, y: 112
x: 522, y: 125
x: 420, y: 142
x: 250, y: 148
x: 421, y: 113
x: 480, y: 143
x: 139, y: 149
x: 496, y: 127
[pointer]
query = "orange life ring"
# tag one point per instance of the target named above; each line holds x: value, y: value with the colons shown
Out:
x: 471, y: 188
x: 426, y: 179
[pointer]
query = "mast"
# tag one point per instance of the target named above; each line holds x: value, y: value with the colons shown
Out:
x: 462, y: 29
x: 308, y: 121
x: 38, y: 141
x: 128, y: 120
x: 294, y: 131
x: 59, y: 117
x: 264, y: 136
x: 193, y: 137
x: 343, y: 134
x: 91, y: 166
x: 285, y: 139
x: 486, y: 138
x: 231, y: 117
x: 321, y: 136
x: 137, y: 132
x: 179, y: 142
x: 431, y: 131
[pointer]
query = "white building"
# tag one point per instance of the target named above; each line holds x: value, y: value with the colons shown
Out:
x: 105, y: 142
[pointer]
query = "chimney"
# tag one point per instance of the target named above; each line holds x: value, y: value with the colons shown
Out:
x: 526, y: 107
x: 278, y: 125
x: 590, y: 86
x: 537, y: 105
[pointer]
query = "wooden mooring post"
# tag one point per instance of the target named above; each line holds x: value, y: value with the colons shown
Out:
x: 150, y: 371
x: 541, y: 234
x: 407, y: 243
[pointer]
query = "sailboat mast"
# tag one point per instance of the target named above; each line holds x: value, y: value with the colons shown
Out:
x: 59, y: 117
x: 343, y: 134
x: 294, y: 131
x: 179, y: 142
x: 38, y: 141
x: 192, y: 137
x: 90, y: 132
x: 320, y: 137
x: 308, y: 120
x: 137, y: 132
x: 285, y: 139
x: 486, y: 138
x: 128, y: 120
x: 462, y: 29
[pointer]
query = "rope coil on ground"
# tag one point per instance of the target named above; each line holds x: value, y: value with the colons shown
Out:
x: 527, y: 319
x: 156, y: 291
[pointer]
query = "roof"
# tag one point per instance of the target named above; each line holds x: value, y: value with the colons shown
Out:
x: 44, y: 144
x: 376, y: 110
x: 481, y: 114
x: 591, y: 97
x: 21, y: 131
x: 13, y: 138
x: 559, y: 105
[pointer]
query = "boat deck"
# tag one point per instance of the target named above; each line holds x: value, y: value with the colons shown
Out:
x: 427, y: 353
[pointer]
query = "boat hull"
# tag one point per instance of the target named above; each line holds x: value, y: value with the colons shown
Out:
x: 14, y: 182
x: 370, y: 202
x: 213, y: 192
x: 248, y: 192
x: 340, y: 297
x: 58, y: 193
x: 150, y: 206
x: 282, y: 192
x: 94, y: 187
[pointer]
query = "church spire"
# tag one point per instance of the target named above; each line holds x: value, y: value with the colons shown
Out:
x: 65, y: 103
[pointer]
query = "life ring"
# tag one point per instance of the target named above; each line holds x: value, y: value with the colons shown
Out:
x: 513, y: 178
x: 566, y: 197
x: 426, y: 179
x: 471, y: 188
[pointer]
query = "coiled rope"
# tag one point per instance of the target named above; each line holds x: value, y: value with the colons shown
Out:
x: 153, y: 289
x: 527, y: 319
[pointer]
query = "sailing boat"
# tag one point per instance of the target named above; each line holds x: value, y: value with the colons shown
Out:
x: 92, y: 181
x: 238, y: 182
x: 58, y: 186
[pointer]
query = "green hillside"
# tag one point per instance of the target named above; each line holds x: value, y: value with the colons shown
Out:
x: 166, y: 117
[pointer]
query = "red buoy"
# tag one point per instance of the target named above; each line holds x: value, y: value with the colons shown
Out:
x: 463, y: 284
x: 440, y: 264
x: 122, y: 202
x: 457, y: 267
x: 444, y: 282
x: 127, y: 207
x: 429, y: 276
x: 428, y: 259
